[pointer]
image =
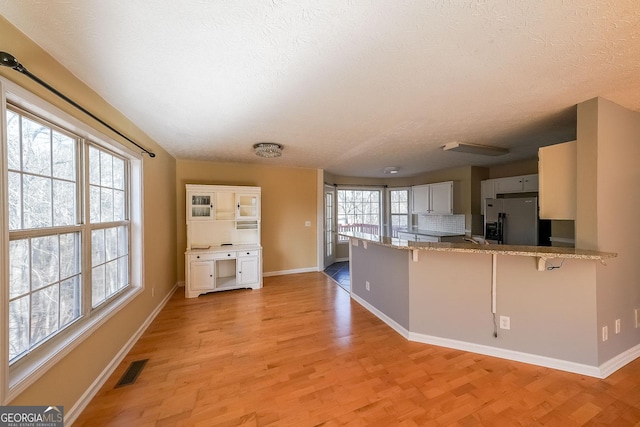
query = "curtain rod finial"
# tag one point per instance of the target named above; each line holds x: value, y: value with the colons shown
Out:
x: 8, y: 60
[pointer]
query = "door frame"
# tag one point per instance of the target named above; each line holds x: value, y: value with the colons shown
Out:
x: 329, y: 191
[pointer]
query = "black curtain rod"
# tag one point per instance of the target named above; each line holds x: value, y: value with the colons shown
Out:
x: 358, y: 185
x: 8, y: 60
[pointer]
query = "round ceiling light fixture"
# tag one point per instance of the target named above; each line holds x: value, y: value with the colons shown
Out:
x: 268, y: 149
x: 391, y: 170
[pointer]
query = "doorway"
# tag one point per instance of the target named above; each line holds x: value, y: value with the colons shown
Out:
x: 329, y: 233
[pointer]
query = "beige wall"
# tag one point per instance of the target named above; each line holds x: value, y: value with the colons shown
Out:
x: 289, y: 198
x: 607, y: 215
x: 521, y: 167
x: 66, y: 382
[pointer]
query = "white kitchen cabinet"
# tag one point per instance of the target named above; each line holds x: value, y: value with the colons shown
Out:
x: 487, y: 191
x: 248, y: 268
x: 223, y: 239
x: 219, y: 269
x: 441, y: 198
x: 558, y: 181
x: 425, y: 238
x: 434, y: 198
x: 247, y: 207
x: 201, y: 273
x: 406, y: 236
x: 421, y: 237
x: 516, y: 184
x: 490, y: 188
x: 530, y: 183
x: 200, y: 205
x: 420, y: 198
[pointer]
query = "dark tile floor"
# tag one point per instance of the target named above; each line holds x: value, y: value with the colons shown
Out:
x: 339, y: 271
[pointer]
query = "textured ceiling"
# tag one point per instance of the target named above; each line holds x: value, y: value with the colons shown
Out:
x: 346, y: 86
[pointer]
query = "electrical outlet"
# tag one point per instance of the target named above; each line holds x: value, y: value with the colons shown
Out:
x: 153, y: 292
x: 605, y: 333
x: 637, y: 317
x: 617, y: 326
x: 505, y: 322
x: 367, y: 286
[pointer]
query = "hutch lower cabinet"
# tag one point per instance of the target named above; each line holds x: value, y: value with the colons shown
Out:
x: 220, y: 269
x: 223, y: 239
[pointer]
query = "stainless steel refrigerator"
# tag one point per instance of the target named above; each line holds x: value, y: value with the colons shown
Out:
x: 514, y: 221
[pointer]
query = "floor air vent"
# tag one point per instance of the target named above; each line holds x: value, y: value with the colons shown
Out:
x: 131, y: 374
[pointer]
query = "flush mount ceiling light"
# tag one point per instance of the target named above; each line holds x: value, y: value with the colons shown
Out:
x: 268, y: 149
x: 391, y: 169
x: 483, y: 150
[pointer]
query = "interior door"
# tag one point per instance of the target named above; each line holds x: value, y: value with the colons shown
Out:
x: 329, y: 234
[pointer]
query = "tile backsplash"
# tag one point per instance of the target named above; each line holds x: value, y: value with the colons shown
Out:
x: 446, y: 223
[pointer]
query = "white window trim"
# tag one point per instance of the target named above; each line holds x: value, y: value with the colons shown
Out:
x: 22, y: 375
x: 388, y: 214
x: 380, y: 189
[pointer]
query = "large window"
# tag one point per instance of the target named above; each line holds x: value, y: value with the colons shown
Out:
x: 69, y: 225
x: 109, y: 231
x: 44, y: 246
x: 359, y: 210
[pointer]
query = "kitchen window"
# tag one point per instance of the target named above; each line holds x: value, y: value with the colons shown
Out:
x: 398, y: 210
x: 73, y: 234
x: 359, y: 211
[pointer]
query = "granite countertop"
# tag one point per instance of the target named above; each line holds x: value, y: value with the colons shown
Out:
x: 546, y: 252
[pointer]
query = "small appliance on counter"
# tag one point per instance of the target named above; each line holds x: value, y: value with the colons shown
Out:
x: 515, y: 221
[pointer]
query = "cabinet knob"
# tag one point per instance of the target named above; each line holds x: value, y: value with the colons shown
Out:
x: 248, y: 253
x: 228, y: 254
x: 198, y: 257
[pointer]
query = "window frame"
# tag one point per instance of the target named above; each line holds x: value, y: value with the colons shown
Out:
x: 381, y: 207
x: 25, y: 371
x: 389, y: 209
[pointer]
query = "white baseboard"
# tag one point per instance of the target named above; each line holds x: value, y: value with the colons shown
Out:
x: 293, y: 271
x: 601, y: 371
x: 380, y: 315
x: 533, y: 359
x: 71, y: 415
x: 617, y: 362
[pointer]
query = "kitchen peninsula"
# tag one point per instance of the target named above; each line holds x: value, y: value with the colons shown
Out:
x: 525, y: 303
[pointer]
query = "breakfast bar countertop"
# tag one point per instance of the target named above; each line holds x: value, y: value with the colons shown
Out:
x: 546, y: 252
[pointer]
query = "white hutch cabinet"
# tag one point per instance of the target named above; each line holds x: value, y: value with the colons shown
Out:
x: 223, y: 239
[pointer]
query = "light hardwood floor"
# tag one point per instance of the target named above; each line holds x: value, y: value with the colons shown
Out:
x: 299, y: 352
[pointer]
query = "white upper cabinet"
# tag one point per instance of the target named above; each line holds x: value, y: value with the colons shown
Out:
x: 558, y: 181
x: 247, y: 207
x: 433, y: 198
x: 490, y: 188
x: 200, y: 205
x: 516, y: 184
x: 530, y: 183
x: 420, y: 198
x: 441, y: 198
x: 513, y: 184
